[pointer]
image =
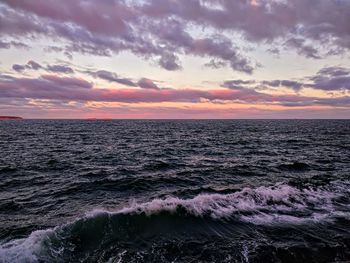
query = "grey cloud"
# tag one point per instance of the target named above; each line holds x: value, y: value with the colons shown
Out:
x: 331, y: 79
x: 238, y: 84
x: 326, y: 79
x: 60, y: 69
x: 145, y: 83
x: 302, y: 48
x: 111, y: 77
x: 169, y: 62
x: 18, y: 68
x: 33, y: 65
x: 52, y: 87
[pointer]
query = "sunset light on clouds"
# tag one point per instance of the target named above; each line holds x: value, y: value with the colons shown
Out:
x: 175, y: 59
x: 158, y: 131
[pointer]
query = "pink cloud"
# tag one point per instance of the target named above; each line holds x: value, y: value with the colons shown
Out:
x: 53, y: 87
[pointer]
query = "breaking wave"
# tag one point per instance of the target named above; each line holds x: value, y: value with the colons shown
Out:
x: 275, y: 204
x: 173, y: 217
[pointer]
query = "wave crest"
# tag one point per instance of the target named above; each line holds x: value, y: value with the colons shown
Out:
x: 265, y: 205
x: 250, y: 204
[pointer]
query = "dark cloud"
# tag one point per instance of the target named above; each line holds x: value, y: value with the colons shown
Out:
x: 326, y: 79
x: 334, y: 71
x: 18, y: 68
x: 160, y: 29
x: 302, y: 48
x: 275, y: 51
x: 238, y: 84
x: 295, y: 85
x: 33, y: 65
x: 4, y: 45
x: 317, y: 21
x: 331, y: 79
x: 126, y: 82
x: 169, y: 62
x: 216, y: 64
x: 7, y: 45
x: 60, y: 69
x: 271, y: 83
x: 19, y: 45
x: 51, y: 87
x: 67, y: 81
x: 145, y: 83
x: 292, y: 84
x: 111, y: 77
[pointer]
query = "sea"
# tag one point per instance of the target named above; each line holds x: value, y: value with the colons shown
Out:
x: 174, y: 191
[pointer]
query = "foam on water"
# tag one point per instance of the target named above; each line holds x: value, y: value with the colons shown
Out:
x: 255, y: 205
x: 26, y: 249
x: 265, y: 205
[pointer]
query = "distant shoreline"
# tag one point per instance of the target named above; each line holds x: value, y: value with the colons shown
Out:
x: 10, y: 118
x: 184, y: 119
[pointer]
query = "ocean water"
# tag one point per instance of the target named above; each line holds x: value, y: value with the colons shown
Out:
x: 175, y: 191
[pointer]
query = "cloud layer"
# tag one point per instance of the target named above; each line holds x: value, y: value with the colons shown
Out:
x: 162, y: 30
x: 53, y: 87
x: 326, y: 79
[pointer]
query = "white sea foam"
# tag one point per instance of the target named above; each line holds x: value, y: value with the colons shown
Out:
x: 278, y: 204
x: 26, y: 249
x: 262, y: 205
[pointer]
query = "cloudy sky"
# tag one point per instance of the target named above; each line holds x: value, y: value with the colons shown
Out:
x: 175, y: 58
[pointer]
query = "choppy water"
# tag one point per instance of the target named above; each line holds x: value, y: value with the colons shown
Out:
x: 175, y: 191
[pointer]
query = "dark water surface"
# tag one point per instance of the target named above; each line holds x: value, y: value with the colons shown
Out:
x: 175, y: 191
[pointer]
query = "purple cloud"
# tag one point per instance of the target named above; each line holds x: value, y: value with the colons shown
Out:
x: 18, y: 68
x: 60, y: 69
x: 145, y: 83
x: 169, y: 62
x: 334, y: 71
x: 165, y: 30
x: 33, y: 65
x: 52, y: 87
x: 7, y: 45
x: 67, y: 81
x: 331, y: 79
x: 112, y: 77
x: 302, y: 48
x: 292, y: 84
x: 110, y: 32
x: 36, y: 66
x: 238, y: 84
x: 4, y: 45
x: 326, y: 79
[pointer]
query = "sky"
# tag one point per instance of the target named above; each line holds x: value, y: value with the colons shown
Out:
x: 175, y: 59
